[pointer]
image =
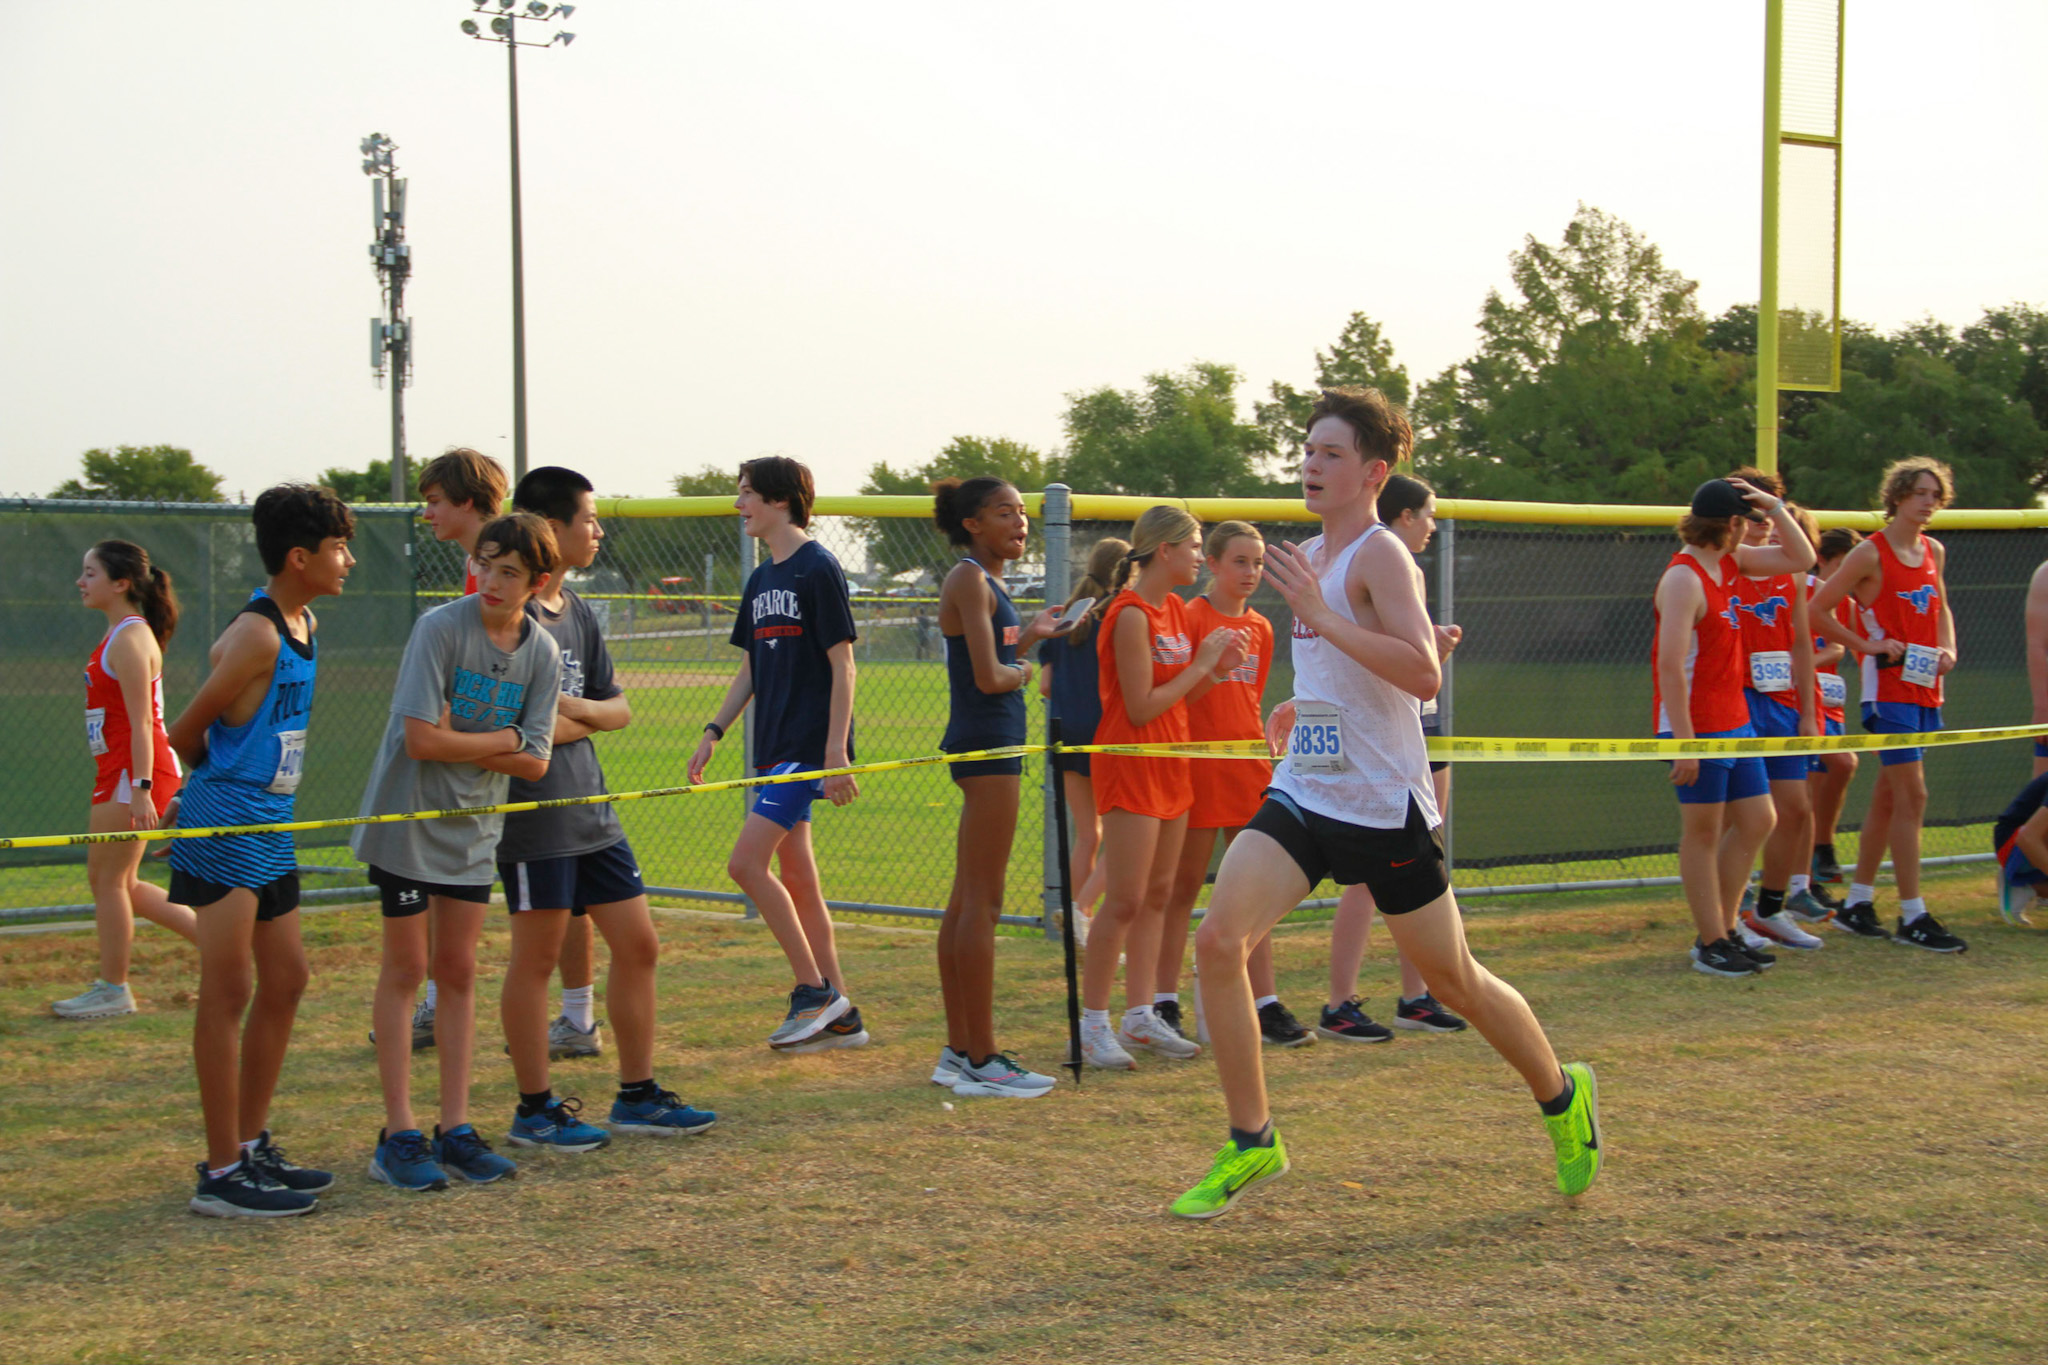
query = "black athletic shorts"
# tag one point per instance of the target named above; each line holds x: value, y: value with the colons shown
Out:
x: 1403, y: 868
x: 274, y: 900
x: 403, y: 897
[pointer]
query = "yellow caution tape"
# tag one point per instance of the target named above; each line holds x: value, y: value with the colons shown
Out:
x: 1480, y: 749
x: 1490, y: 750
x: 514, y: 807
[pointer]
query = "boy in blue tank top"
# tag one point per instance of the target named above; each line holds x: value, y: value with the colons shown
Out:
x: 244, y: 736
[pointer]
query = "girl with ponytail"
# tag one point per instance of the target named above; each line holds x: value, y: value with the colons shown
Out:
x: 1067, y: 680
x: 1149, y: 668
x: 137, y: 773
x: 984, y: 519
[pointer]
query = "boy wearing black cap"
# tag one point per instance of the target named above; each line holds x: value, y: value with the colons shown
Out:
x: 1696, y: 661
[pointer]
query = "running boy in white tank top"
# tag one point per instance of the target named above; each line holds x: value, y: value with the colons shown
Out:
x: 1352, y: 801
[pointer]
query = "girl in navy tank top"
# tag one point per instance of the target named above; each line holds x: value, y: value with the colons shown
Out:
x: 985, y: 518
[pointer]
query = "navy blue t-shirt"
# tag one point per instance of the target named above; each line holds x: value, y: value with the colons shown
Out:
x: 2031, y: 798
x: 790, y: 615
x: 1075, y: 697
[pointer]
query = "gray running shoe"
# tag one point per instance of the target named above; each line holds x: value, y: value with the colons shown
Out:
x: 1001, y: 1077
x: 422, y: 1026
x: 811, y: 1008
x: 566, y: 1040
x: 101, y: 1000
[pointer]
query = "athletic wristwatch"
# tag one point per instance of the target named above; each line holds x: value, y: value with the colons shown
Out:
x: 140, y: 784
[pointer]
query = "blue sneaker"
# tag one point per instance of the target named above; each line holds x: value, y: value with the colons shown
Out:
x: 558, y: 1127
x: 465, y: 1152
x: 404, y: 1160
x: 663, y: 1116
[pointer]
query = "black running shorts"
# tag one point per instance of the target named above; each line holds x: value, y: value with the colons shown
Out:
x: 1403, y: 868
x: 274, y: 900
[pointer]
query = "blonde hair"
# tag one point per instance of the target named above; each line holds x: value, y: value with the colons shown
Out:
x: 1161, y: 525
x: 1901, y: 475
x: 1223, y: 532
x: 1709, y: 533
x: 1102, y: 563
x: 1807, y: 525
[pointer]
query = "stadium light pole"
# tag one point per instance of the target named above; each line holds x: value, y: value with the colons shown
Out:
x: 502, y: 26
x: 391, y: 334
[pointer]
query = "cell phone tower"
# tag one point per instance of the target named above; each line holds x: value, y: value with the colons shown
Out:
x: 391, y: 335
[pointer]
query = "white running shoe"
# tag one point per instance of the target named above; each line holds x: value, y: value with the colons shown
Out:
x: 1100, y: 1048
x: 1147, y: 1030
x: 1781, y: 928
x: 947, y: 1070
x: 101, y: 1000
x: 1750, y: 937
x: 1001, y: 1076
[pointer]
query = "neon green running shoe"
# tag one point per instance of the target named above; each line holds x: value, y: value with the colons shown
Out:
x: 1576, y: 1132
x: 1236, y: 1170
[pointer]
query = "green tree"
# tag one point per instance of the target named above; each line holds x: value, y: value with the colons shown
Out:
x: 142, y: 474
x: 1178, y: 436
x: 360, y: 485
x: 1362, y: 358
x: 1921, y: 391
x: 1592, y: 384
x: 712, y: 481
x: 897, y: 544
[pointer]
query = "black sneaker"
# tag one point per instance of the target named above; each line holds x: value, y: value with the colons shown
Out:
x: 1859, y: 919
x: 244, y: 1193
x: 269, y: 1160
x: 1348, y: 1024
x: 1722, y: 957
x: 1827, y: 899
x: 1279, y: 1027
x: 1425, y: 1014
x: 1169, y: 1013
x: 1926, y: 932
x: 1825, y: 868
x: 1763, y: 959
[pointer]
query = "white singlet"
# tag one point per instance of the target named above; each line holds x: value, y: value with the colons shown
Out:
x: 1384, y: 764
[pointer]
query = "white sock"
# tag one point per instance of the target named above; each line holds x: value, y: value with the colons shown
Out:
x: 1095, y: 1018
x: 250, y: 1145
x: 229, y: 1169
x: 432, y: 994
x: 578, y: 1006
x: 1912, y: 909
x: 1800, y: 881
x: 1166, y: 997
x: 1264, y: 1001
x: 1859, y: 894
x: 1137, y: 1012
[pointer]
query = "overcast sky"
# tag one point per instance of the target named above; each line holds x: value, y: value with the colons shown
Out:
x: 850, y: 232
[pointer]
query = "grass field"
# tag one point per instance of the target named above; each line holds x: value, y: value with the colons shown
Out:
x: 1841, y: 1161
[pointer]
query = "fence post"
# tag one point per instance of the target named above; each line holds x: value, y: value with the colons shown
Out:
x: 1446, y: 600
x: 1056, y: 522
x: 747, y: 717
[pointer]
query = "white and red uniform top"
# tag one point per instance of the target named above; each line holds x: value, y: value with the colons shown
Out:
x: 1831, y: 695
x: 1713, y: 662
x: 1764, y: 607
x: 1908, y: 608
x: 108, y: 731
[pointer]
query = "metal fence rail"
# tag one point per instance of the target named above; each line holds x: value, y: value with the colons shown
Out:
x: 1556, y: 619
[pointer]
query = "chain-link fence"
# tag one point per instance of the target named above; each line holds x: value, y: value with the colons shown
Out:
x: 1557, y: 625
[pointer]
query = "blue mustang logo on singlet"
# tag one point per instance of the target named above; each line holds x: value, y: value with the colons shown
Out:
x: 1732, y: 614
x: 1921, y: 597
x: 1765, y: 611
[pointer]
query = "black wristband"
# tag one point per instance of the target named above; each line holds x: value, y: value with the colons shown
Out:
x: 717, y: 730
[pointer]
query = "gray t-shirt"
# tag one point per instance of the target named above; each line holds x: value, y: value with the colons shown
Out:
x: 574, y: 770
x: 451, y: 661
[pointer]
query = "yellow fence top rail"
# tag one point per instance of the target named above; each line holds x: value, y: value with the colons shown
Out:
x: 1122, y: 507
